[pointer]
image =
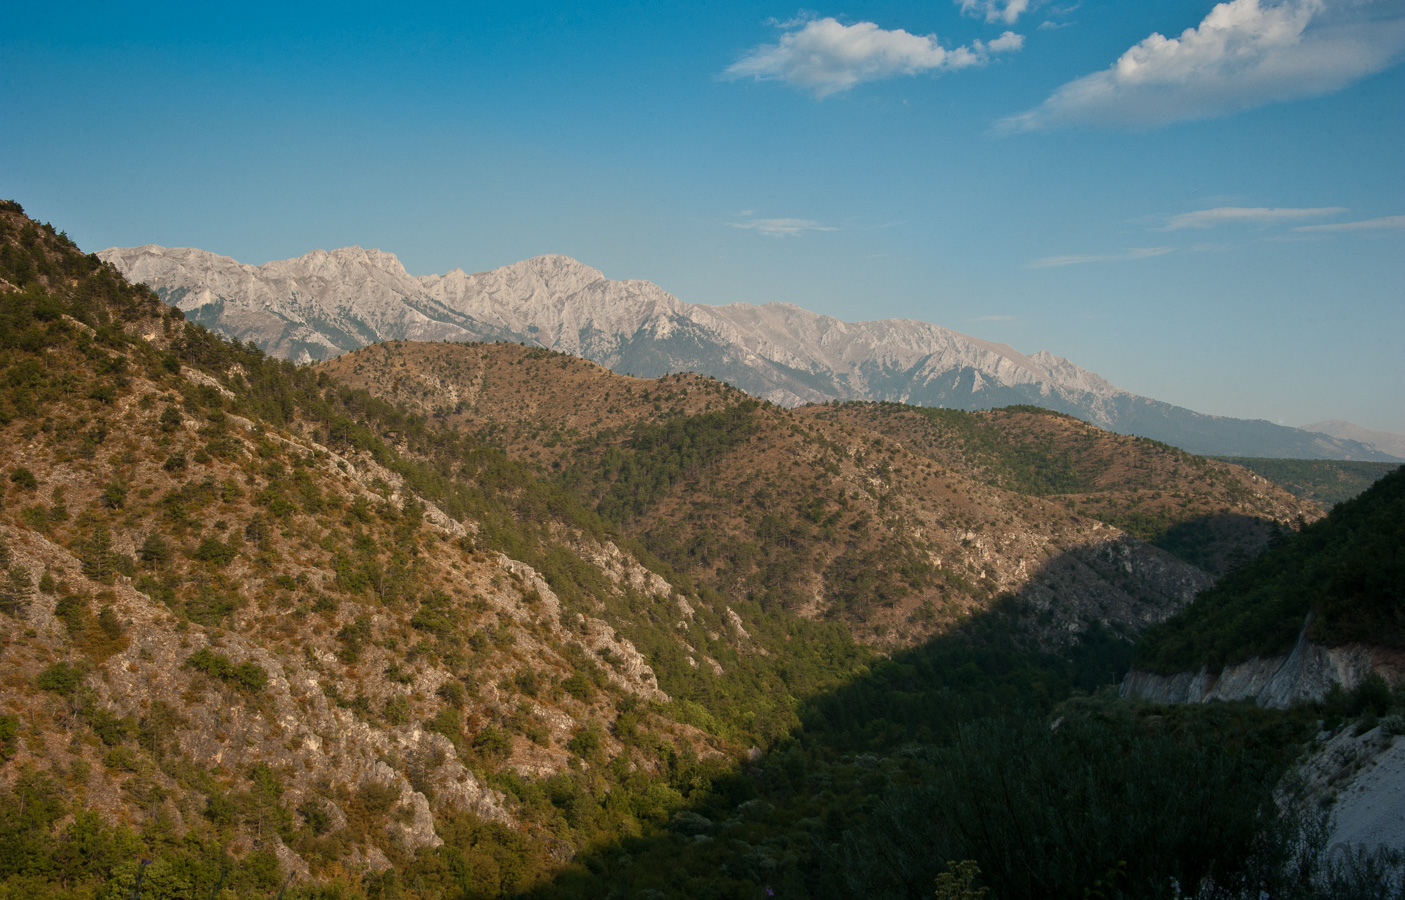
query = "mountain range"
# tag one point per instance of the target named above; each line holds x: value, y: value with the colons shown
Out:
x: 324, y: 304
x: 1385, y: 441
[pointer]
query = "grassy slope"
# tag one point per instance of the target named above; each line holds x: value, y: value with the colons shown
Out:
x: 1211, y: 514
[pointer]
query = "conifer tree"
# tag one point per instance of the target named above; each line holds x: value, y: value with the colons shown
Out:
x: 99, y: 560
x: 16, y: 590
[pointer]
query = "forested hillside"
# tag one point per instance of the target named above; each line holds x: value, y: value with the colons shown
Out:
x: 249, y: 637
x: 1326, y: 482
x: 1346, y: 572
x: 264, y: 632
x: 897, y: 521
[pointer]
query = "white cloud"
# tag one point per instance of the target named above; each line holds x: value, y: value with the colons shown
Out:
x: 993, y: 319
x: 781, y: 227
x: 1223, y: 215
x: 1007, y: 42
x: 1364, y: 225
x: 1006, y: 11
x: 825, y: 56
x: 1244, y: 54
x: 1049, y: 262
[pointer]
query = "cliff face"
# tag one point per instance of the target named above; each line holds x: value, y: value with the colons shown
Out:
x: 1307, y: 673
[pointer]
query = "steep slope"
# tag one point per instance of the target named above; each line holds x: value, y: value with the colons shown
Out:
x: 323, y: 304
x: 1209, y: 513
x: 896, y: 520
x: 1322, y: 606
x: 244, y: 634
x: 836, y: 511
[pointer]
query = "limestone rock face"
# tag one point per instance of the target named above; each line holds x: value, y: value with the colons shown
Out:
x: 326, y: 303
x: 1307, y: 673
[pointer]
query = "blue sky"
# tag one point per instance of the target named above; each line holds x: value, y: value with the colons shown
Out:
x: 1204, y: 204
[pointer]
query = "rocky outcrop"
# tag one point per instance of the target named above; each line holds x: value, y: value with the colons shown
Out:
x: 1307, y: 673
x: 1360, y: 777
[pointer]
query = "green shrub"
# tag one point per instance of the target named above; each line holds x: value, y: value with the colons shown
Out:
x: 23, y: 478
x: 249, y: 677
x: 449, y: 723
x: 9, y: 736
x: 493, y: 742
x: 396, y: 710
x: 61, y: 678
x: 452, y: 693
x: 216, y: 552
x: 15, y: 590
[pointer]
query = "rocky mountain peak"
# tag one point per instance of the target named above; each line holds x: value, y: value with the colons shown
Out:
x: 348, y: 256
x: 329, y: 302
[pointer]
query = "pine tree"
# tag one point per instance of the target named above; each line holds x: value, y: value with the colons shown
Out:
x: 99, y: 560
x: 18, y: 587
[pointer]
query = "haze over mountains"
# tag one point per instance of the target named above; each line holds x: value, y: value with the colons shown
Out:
x: 1385, y: 441
x: 324, y: 304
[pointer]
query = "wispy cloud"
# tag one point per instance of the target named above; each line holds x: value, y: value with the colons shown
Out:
x: 1057, y: 12
x: 781, y: 227
x: 1049, y: 262
x: 1007, y: 11
x: 1384, y: 222
x: 993, y: 319
x: 1244, y: 54
x: 826, y: 56
x: 1261, y: 215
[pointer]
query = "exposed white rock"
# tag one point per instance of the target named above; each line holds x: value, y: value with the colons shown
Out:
x: 1307, y: 673
x: 326, y: 303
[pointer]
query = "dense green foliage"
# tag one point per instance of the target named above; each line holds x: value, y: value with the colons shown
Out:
x: 247, y: 676
x: 1046, y: 812
x: 1327, y: 481
x: 1023, y: 462
x: 1347, y: 571
x: 947, y: 752
x: 655, y: 457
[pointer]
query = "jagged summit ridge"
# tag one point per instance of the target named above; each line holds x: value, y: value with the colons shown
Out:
x: 557, y: 301
x: 326, y: 303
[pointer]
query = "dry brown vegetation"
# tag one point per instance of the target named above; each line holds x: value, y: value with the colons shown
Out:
x: 896, y: 520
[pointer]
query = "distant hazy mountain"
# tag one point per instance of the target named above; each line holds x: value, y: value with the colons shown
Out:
x: 1384, y: 441
x: 327, y: 303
